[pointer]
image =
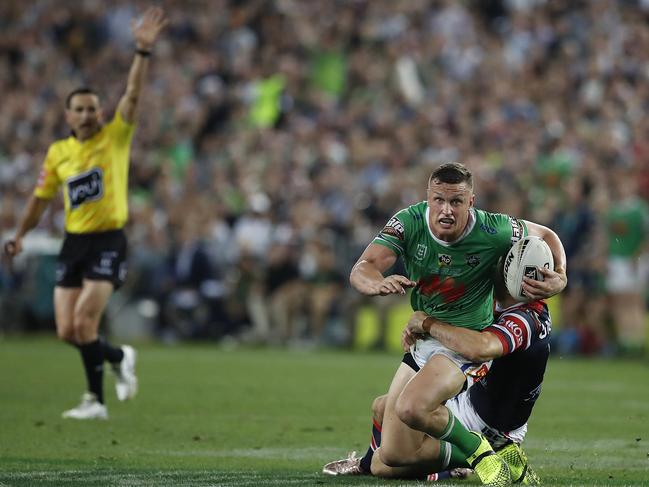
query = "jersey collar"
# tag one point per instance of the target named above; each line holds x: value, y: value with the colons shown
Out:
x: 469, y: 226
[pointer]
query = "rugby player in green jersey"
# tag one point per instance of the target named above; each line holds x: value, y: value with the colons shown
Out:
x: 450, y: 250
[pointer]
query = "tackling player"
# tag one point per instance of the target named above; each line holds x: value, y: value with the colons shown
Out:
x: 92, y: 167
x: 498, y: 405
x: 449, y: 249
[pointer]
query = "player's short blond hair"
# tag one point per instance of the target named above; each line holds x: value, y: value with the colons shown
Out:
x: 452, y: 173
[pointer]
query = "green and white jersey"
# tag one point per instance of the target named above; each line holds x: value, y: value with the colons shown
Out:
x: 627, y: 223
x: 454, y: 280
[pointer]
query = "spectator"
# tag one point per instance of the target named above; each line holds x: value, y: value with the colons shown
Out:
x: 627, y: 227
x: 536, y: 93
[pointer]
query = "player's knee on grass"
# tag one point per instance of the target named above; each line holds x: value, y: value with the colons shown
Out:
x: 380, y: 469
x: 391, y: 457
x: 400, y: 449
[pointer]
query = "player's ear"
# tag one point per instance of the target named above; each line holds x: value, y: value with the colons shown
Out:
x: 472, y: 200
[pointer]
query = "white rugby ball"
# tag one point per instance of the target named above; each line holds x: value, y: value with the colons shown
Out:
x: 524, y: 259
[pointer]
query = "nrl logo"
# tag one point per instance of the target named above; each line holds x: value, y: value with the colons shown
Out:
x: 421, y: 252
x: 472, y: 260
x: 444, y: 260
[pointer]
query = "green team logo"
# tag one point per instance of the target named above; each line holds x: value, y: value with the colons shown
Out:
x: 421, y: 252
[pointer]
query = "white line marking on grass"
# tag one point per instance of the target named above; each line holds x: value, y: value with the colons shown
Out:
x: 266, y: 453
x: 579, y: 445
x: 175, y: 478
x: 606, y: 453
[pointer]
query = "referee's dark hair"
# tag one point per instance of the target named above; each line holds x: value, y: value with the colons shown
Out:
x: 84, y: 90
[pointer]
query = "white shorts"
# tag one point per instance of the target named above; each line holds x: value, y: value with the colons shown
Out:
x: 463, y: 410
x: 423, y: 350
x: 626, y: 274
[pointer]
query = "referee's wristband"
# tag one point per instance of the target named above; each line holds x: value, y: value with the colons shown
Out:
x: 142, y: 52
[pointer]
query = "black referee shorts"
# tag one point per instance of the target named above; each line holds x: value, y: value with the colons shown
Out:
x: 99, y: 256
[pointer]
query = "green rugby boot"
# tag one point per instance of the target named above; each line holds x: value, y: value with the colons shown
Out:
x: 490, y: 468
x: 519, y: 467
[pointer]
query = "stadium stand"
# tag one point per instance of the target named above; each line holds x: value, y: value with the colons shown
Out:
x: 278, y: 136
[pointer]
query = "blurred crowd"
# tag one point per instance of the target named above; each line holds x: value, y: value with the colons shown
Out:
x: 277, y: 137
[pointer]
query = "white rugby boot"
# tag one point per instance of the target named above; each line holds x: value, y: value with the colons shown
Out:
x: 347, y: 466
x: 125, y: 378
x: 89, y: 408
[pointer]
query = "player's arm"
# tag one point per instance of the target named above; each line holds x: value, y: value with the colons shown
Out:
x: 476, y: 346
x: 554, y: 280
x: 35, y: 208
x: 145, y: 32
x: 367, y: 274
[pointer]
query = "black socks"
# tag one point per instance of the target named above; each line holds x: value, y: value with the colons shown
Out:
x: 92, y: 355
x: 113, y: 354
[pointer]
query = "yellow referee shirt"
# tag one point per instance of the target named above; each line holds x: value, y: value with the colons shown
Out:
x: 94, y: 175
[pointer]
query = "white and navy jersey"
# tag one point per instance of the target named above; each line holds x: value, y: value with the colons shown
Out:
x: 504, y: 398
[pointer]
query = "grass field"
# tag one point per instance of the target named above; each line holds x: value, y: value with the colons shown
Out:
x: 208, y: 416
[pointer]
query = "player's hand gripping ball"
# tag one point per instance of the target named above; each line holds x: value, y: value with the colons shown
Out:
x: 524, y: 259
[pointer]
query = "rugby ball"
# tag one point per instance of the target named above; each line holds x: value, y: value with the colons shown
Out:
x: 524, y: 259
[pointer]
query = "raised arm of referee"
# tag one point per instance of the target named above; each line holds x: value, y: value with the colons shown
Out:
x: 91, y: 168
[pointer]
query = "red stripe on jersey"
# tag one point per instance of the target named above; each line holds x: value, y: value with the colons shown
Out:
x: 501, y: 336
x: 517, y: 328
x: 513, y: 331
x: 376, y: 425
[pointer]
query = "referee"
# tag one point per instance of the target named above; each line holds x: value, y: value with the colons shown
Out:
x: 92, y: 167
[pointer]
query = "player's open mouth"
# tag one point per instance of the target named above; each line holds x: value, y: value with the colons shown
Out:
x: 446, y: 222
